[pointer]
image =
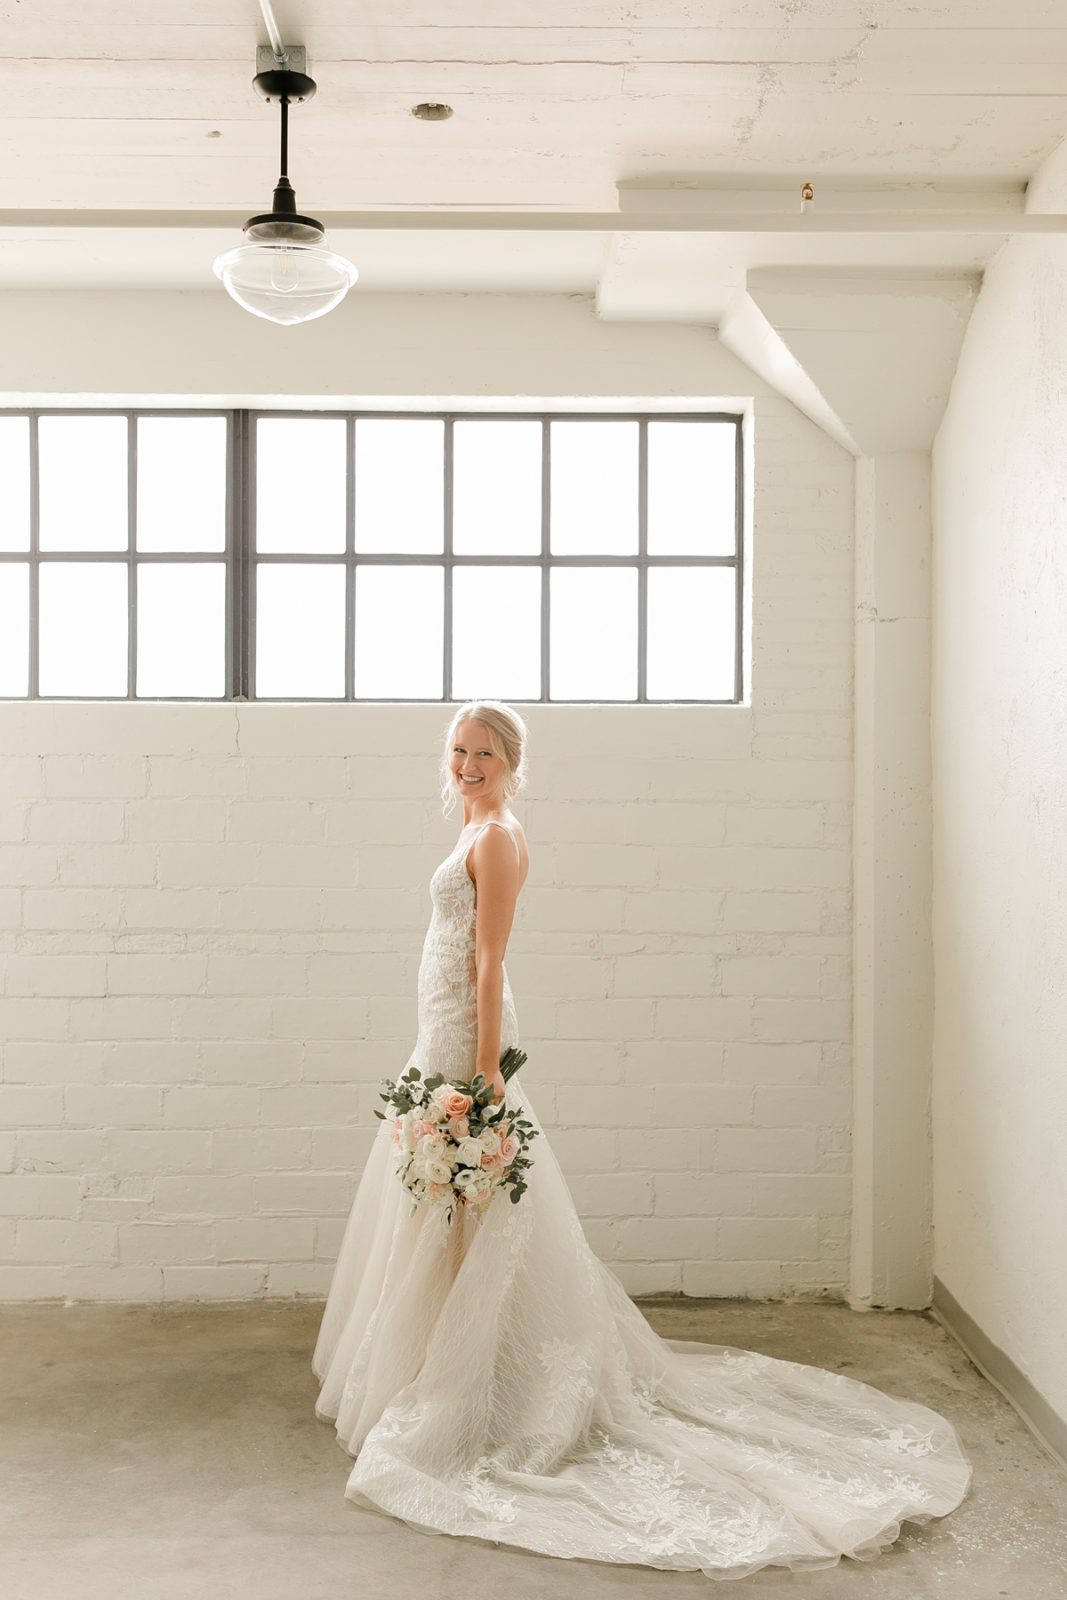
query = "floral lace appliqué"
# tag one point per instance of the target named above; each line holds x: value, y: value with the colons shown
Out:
x: 483, y: 1498
x: 744, y: 1361
x: 568, y: 1374
x: 910, y: 1441
x: 670, y: 1517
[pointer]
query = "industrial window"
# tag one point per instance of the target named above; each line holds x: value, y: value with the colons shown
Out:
x: 367, y: 556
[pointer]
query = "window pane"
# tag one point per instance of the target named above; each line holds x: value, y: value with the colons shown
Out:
x: 400, y: 477
x: 83, y: 483
x: 84, y: 622
x: 593, y: 633
x: 181, y: 629
x: 181, y: 483
x: 300, y: 485
x: 691, y: 489
x: 14, y: 627
x: 496, y: 632
x: 399, y: 633
x: 594, y: 488
x: 496, y: 492
x: 691, y: 630
x: 300, y: 631
x: 15, y: 477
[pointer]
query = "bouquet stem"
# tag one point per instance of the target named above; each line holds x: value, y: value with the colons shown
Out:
x: 510, y: 1062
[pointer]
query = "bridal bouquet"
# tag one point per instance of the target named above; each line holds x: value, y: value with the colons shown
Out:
x: 455, y: 1145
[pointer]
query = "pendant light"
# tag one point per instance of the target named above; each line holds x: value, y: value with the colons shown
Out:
x: 284, y: 273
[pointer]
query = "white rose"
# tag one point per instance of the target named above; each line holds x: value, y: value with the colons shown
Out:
x: 470, y: 1152
x: 439, y: 1172
x: 489, y: 1140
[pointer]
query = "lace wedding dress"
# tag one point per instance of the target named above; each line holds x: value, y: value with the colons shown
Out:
x: 492, y: 1378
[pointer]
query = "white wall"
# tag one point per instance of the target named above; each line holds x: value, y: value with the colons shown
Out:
x: 1000, y: 812
x: 211, y: 916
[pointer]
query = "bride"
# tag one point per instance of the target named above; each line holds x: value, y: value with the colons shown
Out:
x: 492, y: 1378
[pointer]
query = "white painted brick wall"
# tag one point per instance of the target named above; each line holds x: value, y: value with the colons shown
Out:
x: 211, y: 916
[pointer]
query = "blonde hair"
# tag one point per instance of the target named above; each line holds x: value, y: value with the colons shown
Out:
x: 507, y: 739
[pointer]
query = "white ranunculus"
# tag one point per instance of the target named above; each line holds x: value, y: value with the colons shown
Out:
x: 464, y: 1177
x: 489, y: 1140
x: 439, y: 1172
x: 470, y: 1152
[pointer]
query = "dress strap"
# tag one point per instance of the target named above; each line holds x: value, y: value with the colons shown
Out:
x: 493, y: 823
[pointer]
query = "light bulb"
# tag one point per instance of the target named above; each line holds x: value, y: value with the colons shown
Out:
x: 283, y: 276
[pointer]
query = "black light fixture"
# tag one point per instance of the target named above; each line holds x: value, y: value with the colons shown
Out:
x: 283, y: 272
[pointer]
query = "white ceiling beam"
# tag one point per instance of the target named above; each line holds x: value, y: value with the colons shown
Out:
x: 712, y: 195
x: 497, y: 221
x: 878, y: 349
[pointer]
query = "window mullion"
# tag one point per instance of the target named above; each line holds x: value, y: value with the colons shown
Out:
x: 131, y: 550
x: 241, y: 620
x: 546, y: 511
x: 446, y: 630
x: 739, y: 555
x: 35, y: 562
x: 350, y: 558
x: 642, y: 559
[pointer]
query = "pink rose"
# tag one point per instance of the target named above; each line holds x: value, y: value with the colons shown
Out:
x: 456, y: 1104
x: 423, y: 1128
x: 459, y: 1128
x: 491, y: 1163
x: 510, y: 1148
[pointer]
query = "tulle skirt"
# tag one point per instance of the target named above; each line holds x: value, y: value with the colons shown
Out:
x: 492, y: 1379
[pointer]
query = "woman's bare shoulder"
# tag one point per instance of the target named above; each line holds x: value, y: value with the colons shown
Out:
x: 510, y: 824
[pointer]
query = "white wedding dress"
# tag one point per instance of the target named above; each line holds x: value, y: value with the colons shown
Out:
x: 492, y: 1378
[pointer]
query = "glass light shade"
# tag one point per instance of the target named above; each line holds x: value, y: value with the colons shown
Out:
x: 285, y: 282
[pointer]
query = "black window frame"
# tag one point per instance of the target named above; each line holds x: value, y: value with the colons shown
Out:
x: 240, y: 556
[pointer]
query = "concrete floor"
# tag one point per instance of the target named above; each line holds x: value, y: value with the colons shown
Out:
x: 171, y: 1453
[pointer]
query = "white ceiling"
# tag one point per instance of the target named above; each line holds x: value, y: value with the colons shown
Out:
x: 152, y: 106
x: 133, y: 144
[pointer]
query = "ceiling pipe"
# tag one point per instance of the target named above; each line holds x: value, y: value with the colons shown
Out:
x: 281, y: 54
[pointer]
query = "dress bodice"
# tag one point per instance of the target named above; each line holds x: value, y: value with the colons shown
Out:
x: 448, y: 999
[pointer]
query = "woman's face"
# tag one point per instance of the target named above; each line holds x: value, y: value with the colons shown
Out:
x: 476, y: 768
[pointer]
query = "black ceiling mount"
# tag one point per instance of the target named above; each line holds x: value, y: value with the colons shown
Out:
x: 280, y: 83
x: 284, y: 224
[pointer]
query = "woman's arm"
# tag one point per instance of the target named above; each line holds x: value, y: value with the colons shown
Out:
x: 496, y: 875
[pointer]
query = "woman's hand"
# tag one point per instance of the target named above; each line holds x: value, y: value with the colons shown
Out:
x: 495, y: 1081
